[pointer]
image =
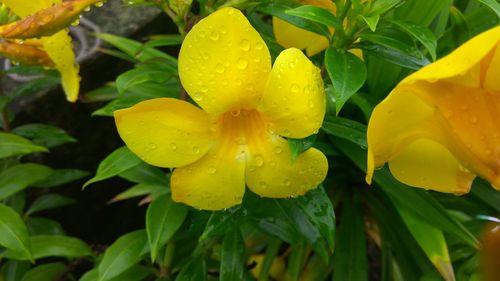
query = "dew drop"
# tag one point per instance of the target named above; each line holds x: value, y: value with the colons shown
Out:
x: 245, y: 45
x: 242, y: 64
x: 263, y: 185
x: 235, y: 112
x: 286, y: 132
x: 214, y: 35
x: 287, y: 182
x: 259, y: 161
x: 204, y: 89
x: 220, y: 68
x: 277, y: 150
x: 257, y: 60
x: 212, y: 170
x: 230, y: 11
x: 152, y: 146
x: 99, y: 4
x: 86, y: 9
x: 259, y: 46
x: 198, y: 96
x: 173, y: 145
x: 295, y: 88
x: 196, y: 149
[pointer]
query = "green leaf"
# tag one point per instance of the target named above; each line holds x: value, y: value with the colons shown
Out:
x: 221, y: 221
x: 347, y: 73
x: 13, y: 232
x: 49, y: 201
x: 118, y: 161
x: 13, y: 270
x: 421, y: 33
x: 45, y: 272
x: 371, y: 21
x: 124, y: 253
x: 164, y: 40
x: 135, y: 273
x: 195, y: 269
x: 298, y: 146
x: 17, y: 178
x: 163, y: 218
x: 351, y: 243
x: 381, y: 6
x: 296, y: 261
x: 43, y: 246
x: 44, y: 135
x: 232, y: 263
x: 316, y: 14
x: 140, y: 190
x: 61, y: 177
x: 493, y: 5
x: 105, y: 93
x: 35, y: 86
x: 431, y: 240
x: 146, y: 174
x: 484, y: 192
x: 138, y: 76
x: 407, y: 12
x: 12, y: 145
x: 347, y: 129
x: 43, y: 226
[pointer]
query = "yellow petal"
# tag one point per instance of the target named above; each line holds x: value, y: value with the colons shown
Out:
x: 271, y: 172
x: 26, y: 8
x: 428, y: 164
x: 224, y: 63
x: 465, y: 58
x: 294, y: 100
x: 25, y: 54
x: 215, y: 182
x: 165, y: 132
x: 291, y: 36
x: 60, y: 50
x: 491, y: 80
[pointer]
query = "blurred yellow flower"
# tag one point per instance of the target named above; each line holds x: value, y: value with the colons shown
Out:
x: 225, y: 66
x: 440, y: 127
x: 289, y: 35
x: 49, y: 18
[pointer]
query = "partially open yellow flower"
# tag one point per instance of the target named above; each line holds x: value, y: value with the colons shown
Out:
x: 440, y: 127
x: 289, y: 35
x: 41, y: 18
x: 225, y: 66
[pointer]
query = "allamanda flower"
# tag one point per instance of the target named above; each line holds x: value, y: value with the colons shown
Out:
x: 440, y: 127
x: 47, y: 19
x: 248, y: 108
x: 289, y: 35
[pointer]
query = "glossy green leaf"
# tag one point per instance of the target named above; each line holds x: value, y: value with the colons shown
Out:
x: 195, y: 269
x: 164, y: 40
x: 45, y: 272
x: 297, y: 146
x: 13, y: 232
x: 146, y: 174
x: 297, y: 259
x: 407, y: 12
x: 484, y: 192
x: 493, y: 5
x: 105, y: 93
x: 30, y: 88
x: 316, y: 14
x: 49, y: 201
x: 163, y: 218
x: 371, y: 21
x: 232, y: 263
x: 381, y: 6
x: 135, y: 273
x: 347, y: 73
x: 61, y: 177
x: 13, y: 270
x: 13, y: 145
x: 44, y: 135
x: 421, y: 33
x: 43, y: 226
x: 347, y: 129
x: 43, y: 246
x: 118, y: 161
x: 140, y: 190
x: 124, y: 253
x: 221, y: 221
x: 138, y: 76
x: 351, y: 243
x: 15, y: 179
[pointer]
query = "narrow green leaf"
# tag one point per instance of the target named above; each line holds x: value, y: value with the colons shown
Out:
x: 347, y: 129
x: 221, y: 221
x: 232, y: 263
x: 13, y: 270
x: 124, y: 253
x: 43, y: 246
x: 298, y: 146
x: 49, y: 201
x: 381, y: 6
x: 118, y: 161
x: 316, y: 14
x: 493, y: 5
x: 297, y: 259
x: 138, y: 76
x: 347, y: 73
x: 163, y: 218
x: 164, y: 40
x: 61, y: 177
x: 140, y: 190
x: 15, y: 179
x: 13, y: 232
x: 135, y: 273
x: 407, y: 12
x: 45, y: 272
x: 146, y: 174
x: 350, y: 260
x: 421, y: 33
x: 44, y: 135
x: 105, y: 93
x: 371, y: 21
x: 12, y: 145
x: 43, y: 226
x: 195, y: 269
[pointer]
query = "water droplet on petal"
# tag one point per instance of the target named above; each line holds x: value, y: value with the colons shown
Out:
x: 277, y: 150
x: 173, y: 145
x: 287, y: 182
x: 152, y: 146
x: 214, y: 35
x: 198, y: 96
x: 245, y: 45
x: 220, y: 68
x: 259, y: 46
x: 240, y: 140
x: 196, y: 149
x: 235, y: 112
x: 258, y: 160
x: 242, y: 63
x: 263, y: 185
x: 295, y: 88
x: 212, y: 170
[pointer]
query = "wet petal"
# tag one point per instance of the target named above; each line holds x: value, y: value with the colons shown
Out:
x: 165, y: 132
x: 24, y: 54
x: 291, y: 36
x: 215, y: 182
x: 271, y: 172
x: 60, y: 50
x: 26, y: 8
x: 294, y: 100
x: 224, y: 63
x: 428, y: 164
x: 491, y: 80
x: 462, y: 60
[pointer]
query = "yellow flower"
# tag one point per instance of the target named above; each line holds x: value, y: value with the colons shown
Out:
x: 289, y: 35
x: 440, y: 127
x: 50, y: 18
x: 225, y: 66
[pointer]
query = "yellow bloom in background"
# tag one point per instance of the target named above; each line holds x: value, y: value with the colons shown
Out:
x: 440, y: 127
x: 50, y: 18
x: 236, y: 139
x: 289, y: 35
